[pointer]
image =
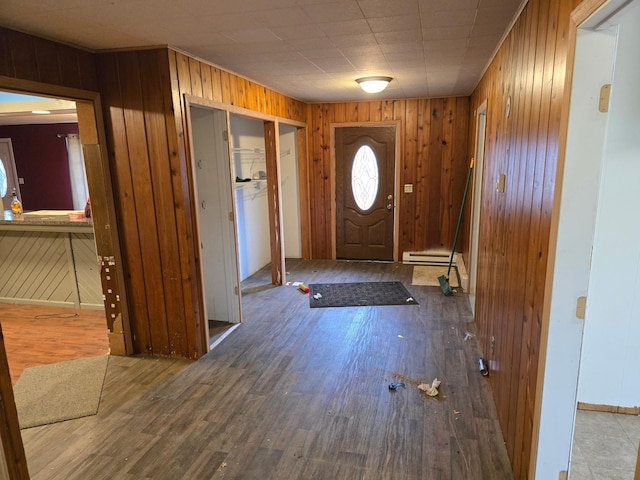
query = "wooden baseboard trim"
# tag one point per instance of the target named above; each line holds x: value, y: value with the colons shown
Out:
x: 608, y: 408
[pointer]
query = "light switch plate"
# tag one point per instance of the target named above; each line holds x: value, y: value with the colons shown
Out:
x: 500, y: 184
x: 408, y: 188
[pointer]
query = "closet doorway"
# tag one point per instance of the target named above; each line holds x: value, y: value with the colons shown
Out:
x: 251, y: 196
x: 216, y: 220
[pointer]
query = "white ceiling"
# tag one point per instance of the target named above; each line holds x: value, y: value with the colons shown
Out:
x: 312, y: 50
x: 17, y: 109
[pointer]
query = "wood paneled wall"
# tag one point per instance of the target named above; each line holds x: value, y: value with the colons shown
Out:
x: 433, y: 157
x: 31, y: 58
x: 530, y: 67
x: 193, y: 77
x: 149, y: 195
x: 143, y: 93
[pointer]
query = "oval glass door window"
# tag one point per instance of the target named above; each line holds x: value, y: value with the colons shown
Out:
x: 364, y: 177
x: 4, y: 186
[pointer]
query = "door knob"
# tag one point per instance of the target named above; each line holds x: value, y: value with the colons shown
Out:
x: 389, y: 206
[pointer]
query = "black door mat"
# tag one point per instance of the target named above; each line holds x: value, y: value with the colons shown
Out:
x: 364, y: 294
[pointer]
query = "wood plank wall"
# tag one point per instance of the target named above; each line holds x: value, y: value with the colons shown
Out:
x: 515, y: 225
x: 136, y: 93
x: 193, y: 77
x: 32, y: 58
x: 143, y: 93
x: 433, y: 157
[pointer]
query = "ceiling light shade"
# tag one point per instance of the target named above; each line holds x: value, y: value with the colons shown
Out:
x: 373, y: 84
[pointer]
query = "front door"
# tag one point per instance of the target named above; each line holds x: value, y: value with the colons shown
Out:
x: 365, y: 160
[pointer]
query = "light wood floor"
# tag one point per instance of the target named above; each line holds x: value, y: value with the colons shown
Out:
x: 296, y: 393
x: 40, y: 335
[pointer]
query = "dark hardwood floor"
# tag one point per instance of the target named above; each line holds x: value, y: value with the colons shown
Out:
x: 296, y: 393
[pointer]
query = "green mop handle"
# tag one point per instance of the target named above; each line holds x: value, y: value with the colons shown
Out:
x: 464, y: 199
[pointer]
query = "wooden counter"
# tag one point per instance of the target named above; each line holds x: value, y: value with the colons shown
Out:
x: 48, y: 259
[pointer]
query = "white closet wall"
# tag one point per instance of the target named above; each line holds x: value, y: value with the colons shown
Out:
x: 248, y: 150
x: 290, y: 192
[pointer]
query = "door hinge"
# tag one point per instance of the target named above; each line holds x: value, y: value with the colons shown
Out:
x: 581, y: 307
x: 225, y: 135
x: 605, y: 93
x: 231, y: 216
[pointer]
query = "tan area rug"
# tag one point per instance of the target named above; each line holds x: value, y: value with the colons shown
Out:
x: 427, y: 275
x: 60, y: 391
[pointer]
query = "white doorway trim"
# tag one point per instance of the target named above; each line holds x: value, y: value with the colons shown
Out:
x: 476, y: 202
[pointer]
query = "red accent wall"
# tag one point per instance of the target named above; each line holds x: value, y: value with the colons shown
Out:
x: 41, y: 159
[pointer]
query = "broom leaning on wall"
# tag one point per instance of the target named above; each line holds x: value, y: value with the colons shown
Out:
x: 444, y: 279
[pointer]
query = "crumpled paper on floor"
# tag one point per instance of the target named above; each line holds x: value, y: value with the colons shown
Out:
x: 431, y: 390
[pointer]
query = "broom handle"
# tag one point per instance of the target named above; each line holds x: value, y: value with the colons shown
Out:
x: 464, y: 199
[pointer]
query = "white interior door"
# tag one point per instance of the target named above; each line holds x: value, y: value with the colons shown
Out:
x: 8, y: 174
x: 212, y: 175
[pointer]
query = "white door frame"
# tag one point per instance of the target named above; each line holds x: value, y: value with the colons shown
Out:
x: 476, y: 202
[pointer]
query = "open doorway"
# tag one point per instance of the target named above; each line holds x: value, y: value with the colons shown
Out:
x: 262, y: 212
x: 250, y: 189
x: 610, y: 348
x: 256, y: 217
x: 590, y: 355
x: 50, y: 285
x: 290, y: 190
x: 216, y: 220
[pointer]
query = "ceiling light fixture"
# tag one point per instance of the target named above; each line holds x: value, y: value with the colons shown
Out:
x: 373, y: 84
x: 40, y: 112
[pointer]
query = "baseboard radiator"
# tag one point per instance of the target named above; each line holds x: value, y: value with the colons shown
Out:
x: 439, y: 258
